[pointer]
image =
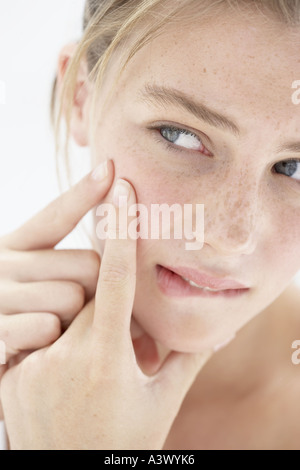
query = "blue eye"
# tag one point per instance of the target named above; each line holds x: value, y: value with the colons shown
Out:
x: 182, y: 139
x: 290, y: 168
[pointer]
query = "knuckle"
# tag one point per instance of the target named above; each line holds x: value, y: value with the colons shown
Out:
x: 29, y: 367
x: 116, y: 273
x: 58, y: 355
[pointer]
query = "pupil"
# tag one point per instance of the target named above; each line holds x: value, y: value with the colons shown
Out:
x: 287, y: 168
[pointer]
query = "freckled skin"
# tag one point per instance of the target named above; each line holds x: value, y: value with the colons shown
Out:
x: 252, y: 216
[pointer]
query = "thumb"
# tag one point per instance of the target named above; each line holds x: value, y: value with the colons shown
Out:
x: 60, y: 217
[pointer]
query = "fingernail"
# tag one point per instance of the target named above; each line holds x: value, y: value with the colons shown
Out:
x: 121, y: 193
x: 225, y: 343
x: 100, y: 172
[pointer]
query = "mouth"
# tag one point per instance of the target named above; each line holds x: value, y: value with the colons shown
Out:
x: 186, y: 282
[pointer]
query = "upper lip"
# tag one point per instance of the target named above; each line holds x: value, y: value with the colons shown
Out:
x: 205, y: 280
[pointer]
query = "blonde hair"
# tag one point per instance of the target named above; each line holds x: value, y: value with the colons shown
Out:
x: 109, y: 24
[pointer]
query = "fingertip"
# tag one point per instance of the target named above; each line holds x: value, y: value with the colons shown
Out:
x: 101, y: 172
x: 123, y: 194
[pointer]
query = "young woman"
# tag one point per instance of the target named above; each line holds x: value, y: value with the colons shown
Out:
x: 159, y: 347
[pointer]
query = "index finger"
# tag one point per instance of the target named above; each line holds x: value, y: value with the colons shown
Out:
x: 60, y: 217
x: 117, y: 278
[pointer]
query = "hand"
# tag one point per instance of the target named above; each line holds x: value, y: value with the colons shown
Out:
x: 42, y: 289
x: 87, y: 391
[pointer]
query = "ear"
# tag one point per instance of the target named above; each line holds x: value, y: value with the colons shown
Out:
x: 79, y: 124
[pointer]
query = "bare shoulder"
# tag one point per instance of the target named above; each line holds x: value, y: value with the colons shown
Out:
x: 291, y: 296
x: 284, y: 316
x: 288, y: 379
x: 286, y: 308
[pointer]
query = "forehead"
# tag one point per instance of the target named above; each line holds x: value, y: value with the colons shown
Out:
x: 238, y: 62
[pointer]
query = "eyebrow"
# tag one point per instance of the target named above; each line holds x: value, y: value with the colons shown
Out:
x: 293, y: 147
x: 162, y: 95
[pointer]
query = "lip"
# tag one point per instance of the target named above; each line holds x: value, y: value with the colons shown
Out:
x: 171, y: 284
x: 205, y: 280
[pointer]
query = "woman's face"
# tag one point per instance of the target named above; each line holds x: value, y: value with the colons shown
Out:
x: 243, y: 71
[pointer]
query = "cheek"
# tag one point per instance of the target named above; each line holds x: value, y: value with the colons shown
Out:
x: 278, y: 253
x: 153, y: 180
x: 285, y: 246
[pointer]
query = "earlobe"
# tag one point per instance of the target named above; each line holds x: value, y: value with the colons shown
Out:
x: 79, y: 116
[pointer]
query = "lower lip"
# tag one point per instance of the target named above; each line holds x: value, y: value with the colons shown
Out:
x: 173, y: 285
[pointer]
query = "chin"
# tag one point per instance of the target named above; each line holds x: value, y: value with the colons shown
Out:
x: 173, y: 338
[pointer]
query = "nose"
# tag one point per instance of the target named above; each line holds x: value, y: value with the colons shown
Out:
x: 232, y: 217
